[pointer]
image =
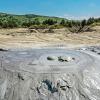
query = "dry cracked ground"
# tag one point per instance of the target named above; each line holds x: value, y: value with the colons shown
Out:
x: 49, y: 66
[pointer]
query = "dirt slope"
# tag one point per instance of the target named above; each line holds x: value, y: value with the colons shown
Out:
x: 20, y: 38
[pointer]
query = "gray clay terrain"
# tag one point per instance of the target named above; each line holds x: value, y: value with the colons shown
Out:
x: 50, y: 74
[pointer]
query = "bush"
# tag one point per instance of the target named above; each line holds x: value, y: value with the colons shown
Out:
x: 49, y: 22
x: 56, y: 26
x: 38, y: 27
x: 63, y: 22
x: 90, y: 21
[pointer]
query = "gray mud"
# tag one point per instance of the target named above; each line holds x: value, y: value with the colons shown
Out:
x: 29, y: 75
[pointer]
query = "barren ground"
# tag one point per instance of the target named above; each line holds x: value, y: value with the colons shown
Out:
x: 20, y: 38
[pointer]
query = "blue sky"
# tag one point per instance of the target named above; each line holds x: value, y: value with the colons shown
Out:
x: 73, y: 9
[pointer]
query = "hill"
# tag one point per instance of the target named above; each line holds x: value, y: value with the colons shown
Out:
x: 46, y: 22
x: 27, y: 20
x: 30, y: 16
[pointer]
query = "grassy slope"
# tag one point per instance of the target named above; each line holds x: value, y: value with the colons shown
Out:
x: 31, y: 17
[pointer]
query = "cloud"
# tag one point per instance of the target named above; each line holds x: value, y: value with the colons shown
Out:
x: 72, y: 17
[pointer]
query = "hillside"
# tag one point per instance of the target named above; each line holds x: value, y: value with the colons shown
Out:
x: 33, y: 21
x: 29, y: 17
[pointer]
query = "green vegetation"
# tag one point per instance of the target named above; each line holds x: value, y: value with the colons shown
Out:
x: 29, y: 20
x: 43, y: 22
x: 49, y: 22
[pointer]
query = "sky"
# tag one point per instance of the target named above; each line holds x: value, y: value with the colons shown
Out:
x: 72, y: 9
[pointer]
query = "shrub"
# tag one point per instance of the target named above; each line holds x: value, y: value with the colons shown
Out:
x: 63, y: 22
x: 49, y: 22
x: 38, y: 26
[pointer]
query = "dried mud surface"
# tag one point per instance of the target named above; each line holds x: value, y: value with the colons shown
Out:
x: 28, y: 75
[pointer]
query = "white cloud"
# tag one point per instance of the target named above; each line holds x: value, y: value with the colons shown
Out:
x: 72, y: 17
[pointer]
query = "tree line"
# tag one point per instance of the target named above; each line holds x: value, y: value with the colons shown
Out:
x: 14, y: 22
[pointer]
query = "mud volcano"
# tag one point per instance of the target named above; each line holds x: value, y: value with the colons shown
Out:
x: 49, y: 74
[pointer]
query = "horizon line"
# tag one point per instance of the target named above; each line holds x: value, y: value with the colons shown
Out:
x: 63, y: 17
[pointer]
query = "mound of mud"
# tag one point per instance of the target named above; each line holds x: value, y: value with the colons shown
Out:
x: 49, y: 74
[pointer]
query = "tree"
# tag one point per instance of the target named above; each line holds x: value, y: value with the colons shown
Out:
x: 12, y: 22
x: 62, y: 22
x: 90, y: 21
x: 36, y: 22
x: 49, y: 22
x: 83, y: 23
